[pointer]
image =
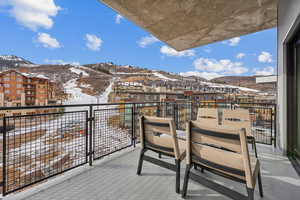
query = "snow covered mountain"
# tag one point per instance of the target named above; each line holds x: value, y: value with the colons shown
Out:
x: 12, y: 61
x: 90, y: 81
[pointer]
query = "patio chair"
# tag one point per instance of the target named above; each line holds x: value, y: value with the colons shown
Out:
x: 223, y: 152
x: 208, y: 116
x: 239, y: 118
x: 159, y: 135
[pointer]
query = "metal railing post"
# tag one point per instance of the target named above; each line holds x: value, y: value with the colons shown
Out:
x: 87, y: 137
x: 4, y: 158
x: 275, y: 125
x: 91, y: 120
x: 191, y: 110
x: 133, y: 131
x: 158, y: 110
x: 175, y: 114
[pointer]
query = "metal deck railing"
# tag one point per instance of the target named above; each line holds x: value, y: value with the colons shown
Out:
x: 54, y: 139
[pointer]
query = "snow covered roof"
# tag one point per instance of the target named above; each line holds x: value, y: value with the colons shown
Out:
x: 28, y: 75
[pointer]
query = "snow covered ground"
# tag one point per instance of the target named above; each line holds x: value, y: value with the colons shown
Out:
x: 161, y: 76
x: 229, y: 86
x: 77, y: 70
x: 78, y: 97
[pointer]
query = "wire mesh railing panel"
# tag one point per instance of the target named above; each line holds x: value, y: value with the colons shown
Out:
x: 41, y: 146
x: 262, y: 124
x: 113, y: 130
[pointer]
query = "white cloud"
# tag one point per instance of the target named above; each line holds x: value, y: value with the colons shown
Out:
x: 207, y: 50
x: 265, y: 71
x: 240, y: 55
x: 118, y: 18
x: 206, y: 75
x: 93, y: 42
x: 225, y: 66
x: 60, y: 62
x: 265, y: 57
x: 33, y: 14
x: 168, y: 51
x: 147, y: 40
x: 233, y: 41
x: 47, y: 41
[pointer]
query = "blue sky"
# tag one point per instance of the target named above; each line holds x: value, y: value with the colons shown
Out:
x: 65, y: 31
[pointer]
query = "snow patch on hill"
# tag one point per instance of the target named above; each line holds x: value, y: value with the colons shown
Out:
x: 78, y: 97
x: 229, y: 86
x: 159, y: 75
x: 76, y: 94
x: 78, y: 71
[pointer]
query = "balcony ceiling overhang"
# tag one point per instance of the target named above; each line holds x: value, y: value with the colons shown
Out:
x: 184, y: 24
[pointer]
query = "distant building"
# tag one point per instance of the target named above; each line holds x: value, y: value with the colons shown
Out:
x: 24, y: 89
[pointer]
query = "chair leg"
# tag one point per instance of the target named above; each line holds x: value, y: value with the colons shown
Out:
x: 202, y: 170
x: 159, y: 155
x: 177, y: 186
x: 186, y: 180
x: 195, y: 167
x: 254, y: 144
x: 261, y: 193
x: 250, y: 192
x: 139, y: 169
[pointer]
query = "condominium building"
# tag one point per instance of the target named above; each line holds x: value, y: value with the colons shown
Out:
x: 24, y: 89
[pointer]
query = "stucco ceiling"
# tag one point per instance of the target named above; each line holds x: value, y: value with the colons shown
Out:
x: 185, y: 24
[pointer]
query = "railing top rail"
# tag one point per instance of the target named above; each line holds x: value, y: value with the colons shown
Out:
x: 71, y: 105
x: 127, y: 103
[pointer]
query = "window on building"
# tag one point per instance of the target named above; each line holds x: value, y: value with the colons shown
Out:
x: 19, y: 79
x: 19, y: 91
x: 19, y: 85
x: 6, y: 85
x: 6, y: 78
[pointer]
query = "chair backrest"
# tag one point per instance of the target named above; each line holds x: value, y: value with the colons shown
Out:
x: 208, y: 116
x: 237, y: 118
x: 159, y: 134
x: 221, y: 149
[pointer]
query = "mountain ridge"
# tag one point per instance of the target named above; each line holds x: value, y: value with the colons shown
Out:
x: 60, y: 73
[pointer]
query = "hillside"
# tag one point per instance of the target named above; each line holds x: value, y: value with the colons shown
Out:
x: 243, y: 81
x: 11, y: 61
x: 76, y: 81
x: 86, y: 83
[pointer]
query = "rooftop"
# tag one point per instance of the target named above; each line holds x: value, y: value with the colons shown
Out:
x: 114, y: 177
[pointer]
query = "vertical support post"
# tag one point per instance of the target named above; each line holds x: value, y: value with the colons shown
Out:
x: 271, y: 118
x: 175, y: 114
x: 165, y: 109
x: 4, y: 158
x: 87, y: 137
x: 158, y: 110
x: 275, y: 125
x: 91, y: 136
x: 133, y: 113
